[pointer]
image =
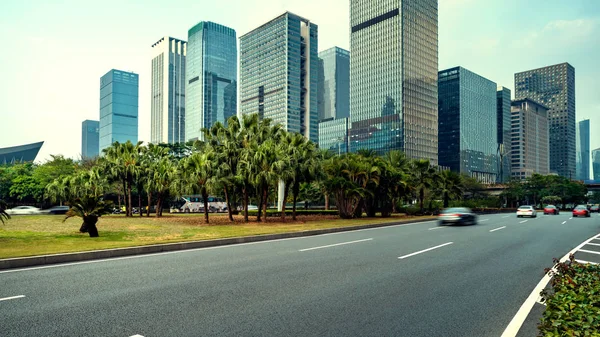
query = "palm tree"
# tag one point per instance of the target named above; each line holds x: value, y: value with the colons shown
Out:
x: 3, y: 215
x: 89, y: 208
x: 124, y: 165
x: 423, y: 177
x: 400, y: 166
x: 450, y: 186
x: 198, y: 172
x: 163, y: 176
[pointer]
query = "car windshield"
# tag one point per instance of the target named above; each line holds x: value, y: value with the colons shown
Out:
x: 456, y: 210
x: 525, y: 207
x: 550, y: 206
x: 580, y: 207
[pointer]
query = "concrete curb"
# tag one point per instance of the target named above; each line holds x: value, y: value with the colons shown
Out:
x: 21, y: 262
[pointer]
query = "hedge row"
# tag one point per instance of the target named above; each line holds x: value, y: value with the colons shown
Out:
x: 276, y: 213
x: 573, y: 301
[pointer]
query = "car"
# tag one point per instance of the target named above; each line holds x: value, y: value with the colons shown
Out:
x: 595, y: 208
x: 551, y: 209
x: 58, y: 210
x: 457, y: 216
x: 526, y: 211
x: 22, y: 210
x: 581, y: 210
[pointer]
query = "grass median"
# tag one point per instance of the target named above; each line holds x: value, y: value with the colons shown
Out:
x: 48, y: 234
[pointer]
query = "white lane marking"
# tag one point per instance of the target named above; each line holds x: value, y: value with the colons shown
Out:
x: 484, y: 220
x: 137, y: 336
x: 585, y: 262
x: 206, y: 248
x: 593, y: 244
x: 425, y: 250
x: 497, y: 229
x: 515, y: 324
x: 506, y: 216
x: 571, y: 218
x: 434, y: 228
x: 589, y: 251
x: 524, y: 221
x: 335, y: 245
x: 564, y: 222
x: 11, y: 298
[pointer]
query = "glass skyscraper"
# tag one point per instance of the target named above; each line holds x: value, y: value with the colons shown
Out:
x: 90, y: 139
x: 335, y: 84
x: 167, y: 108
x: 554, y: 87
x: 504, y: 133
x: 333, y: 135
x: 211, y: 77
x: 596, y: 164
x: 530, y: 145
x: 583, y: 150
x: 468, y: 124
x: 393, y: 72
x: 279, y: 73
x: 118, y: 108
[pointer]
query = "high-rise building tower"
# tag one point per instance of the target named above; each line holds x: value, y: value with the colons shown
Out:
x: 393, y: 77
x: 336, y: 83
x: 583, y: 150
x: 596, y: 164
x: 554, y: 87
x: 468, y: 124
x: 118, y: 108
x: 167, y: 108
x: 504, y: 133
x: 279, y: 73
x: 530, y: 134
x: 90, y: 138
x: 211, y: 77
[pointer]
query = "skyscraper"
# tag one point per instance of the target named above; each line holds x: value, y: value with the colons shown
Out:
x: 90, y: 139
x: 596, y: 164
x: 211, y: 77
x: 468, y: 124
x: 504, y: 133
x: 279, y: 73
x: 118, y: 108
x: 393, y: 77
x: 336, y: 83
x: 167, y: 108
x: 583, y: 150
x: 530, y: 134
x: 554, y: 87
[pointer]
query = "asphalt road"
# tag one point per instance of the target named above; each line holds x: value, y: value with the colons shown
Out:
x: 410, y: 280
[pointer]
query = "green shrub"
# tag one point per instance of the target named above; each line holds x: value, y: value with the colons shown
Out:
x: 276, y: 213
x: 573, y: 302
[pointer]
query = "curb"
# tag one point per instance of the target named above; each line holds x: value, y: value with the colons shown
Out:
x: 21, y: 262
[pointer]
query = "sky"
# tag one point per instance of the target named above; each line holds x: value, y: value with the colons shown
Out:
x: 55, y: 51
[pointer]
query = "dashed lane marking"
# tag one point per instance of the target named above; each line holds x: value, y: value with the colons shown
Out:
x: 497, y: 229
x: 11, y: 298
x: 425, y: 250
x: 524, y: 221
x: 434, y: 228
x: 484, y: 220
x: 335, y: 245
x: 564, y: 222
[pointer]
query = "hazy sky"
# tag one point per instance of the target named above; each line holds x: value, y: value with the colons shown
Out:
x: 54, y: 51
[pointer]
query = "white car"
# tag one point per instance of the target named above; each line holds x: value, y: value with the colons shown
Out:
x: 22, y: 210
x: 526, y: 211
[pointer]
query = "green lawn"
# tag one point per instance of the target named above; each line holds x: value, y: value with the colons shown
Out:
x: 47, y: 234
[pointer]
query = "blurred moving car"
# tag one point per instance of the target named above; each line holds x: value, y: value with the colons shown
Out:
x: 23, y: 210
x: 551, y: 209
x: 458, y: 216
x: 595, y: 208
x: 526, y: 211
x: 581, y: 210
x: 58, y: 210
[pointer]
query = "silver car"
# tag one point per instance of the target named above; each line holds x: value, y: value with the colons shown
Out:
x: 23, y: 210
x: 457, y: 216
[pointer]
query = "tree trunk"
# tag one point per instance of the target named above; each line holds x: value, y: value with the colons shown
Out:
x: 158, y: 204
x: 421, y: 198
x: 140, y: 203
x: 130, y: 209
x: 295, y: 192
x: 228, y: 202
x: 285, y: 195
x: 205, y: 200
x: 266, y: 200
x: 125, y: 197
x: 149, y: 203
x: 83, y: 228
x: 260, y: 202
x: 326, y: 201
x: 245, y: 202
x: 90, y: 222
x: 446, y: 200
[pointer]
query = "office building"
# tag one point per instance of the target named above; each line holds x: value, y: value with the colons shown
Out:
x: 20, y: 153
x: 530, y: 139
x: 468, y: 124
x: 596, y: 164
x: 335, y: 85
x: 167, y: 108
x: 583, y: 150
x: 504, y: 133
x: 393, y: 77
x: 333, y: 135
x: 211, y: 77
x: 279, y: 73
x: 118, y: 108
x: 90, y: 139
x: 554, y: 87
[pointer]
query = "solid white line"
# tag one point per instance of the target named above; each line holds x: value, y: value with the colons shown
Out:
x: 425, y: 250
x: 589, y: 251
x: 497, y: 229
x: 515, y: 324
x: 524, y: 221
x: 564, y: 222
x: 585, y: 262
x: 434, y: 228
x: 11, y: 298
x: 593, y: 244
x: 335, y: 245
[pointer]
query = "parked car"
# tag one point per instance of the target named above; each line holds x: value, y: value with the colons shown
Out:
x: 595, y: 208
x: 581, y: 210
x: 526, y: 211
x: 457, y: 216
x: 58, y: 210
x: 22, y: 210
x: 551, y: 209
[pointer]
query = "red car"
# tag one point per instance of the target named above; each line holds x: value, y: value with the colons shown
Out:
x: 551, y: 209
x: 581, y: 210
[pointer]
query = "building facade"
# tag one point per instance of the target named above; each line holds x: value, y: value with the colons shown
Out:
x: 468, y: 124
x: 596, y: 164
x: 554, y: 87
x: 90, y: 139
x: 167, y: 108
x: 118, y: 108
x: 20, y: 153
x: 279, y: 73
x: 211, y: 77
x: 333, y: 135
x: 530, y: 139
x: 503, y: 121
x: 336, y: 83
x: 393, y: 77
x: 583, y: 150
